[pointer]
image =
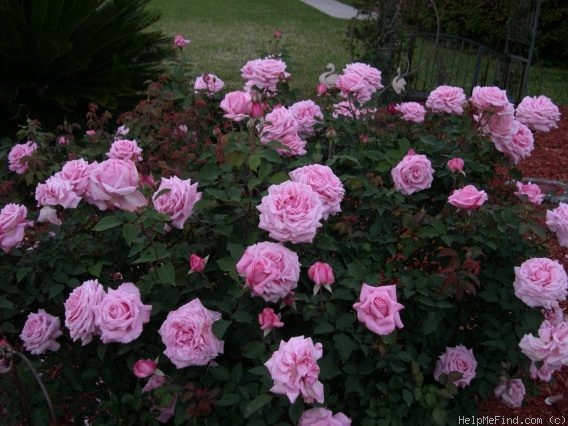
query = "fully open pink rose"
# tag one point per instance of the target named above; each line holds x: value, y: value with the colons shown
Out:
x: 489, y: 99
x: 541, y: 282
x: 265, y: 73
x: 178, y: 202
x: 113, y: 183
x: 80, y: 311
x: 180, y: 41
x: 209, y: 84
x: 307, y: 114
x: 447, y: 99
x: 531, y: 191
x: 378, y: 309
x: 557, y: 221
x: 457, y: 359
x: 277, y: 124
x: 56, y: 191
x: 325, y: 183
x: 40, y: 331
x: 144, y: 368
x: 359, y: 82
x: 519, y: 146
x: 501, y: 129
x: 76, y: 172
x: 13, y: 223
x: 237, y: 105
x: 411, y: 111
x: 467, y: 198
x: 268, y: 320
x: 538, y: 113
x: 291, y: 212
x: 121, y: 314
x: 188, y: 335
x: 414, y: 173
x: 511, y: 392
x: 550, y: 346
x: 18, y: 154
x: 270, y: 270
x: 323, y: 417
x: 295, y: 371
x: 125, y: 149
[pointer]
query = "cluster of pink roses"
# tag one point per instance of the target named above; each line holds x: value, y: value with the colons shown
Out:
x: 13, y: 223
x: 208, y: 84
x: 357, y: 84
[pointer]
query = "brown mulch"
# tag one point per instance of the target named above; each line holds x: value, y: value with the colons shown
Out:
x: 549, y: 160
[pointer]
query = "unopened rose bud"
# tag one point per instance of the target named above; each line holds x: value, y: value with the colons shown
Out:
x: 321, y: 89
x: 330, y: 133
x: 144, y: 368
x: 257, y: 110
x: 455, y: 165
x: 197, y: 263
x: 277, y: 34
x: 268, y: 320
x: 321, y: 274
x: 392, y: 109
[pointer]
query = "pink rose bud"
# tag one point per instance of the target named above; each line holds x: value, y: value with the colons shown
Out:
x: 257, y: 110
x: 144, y: 368
x: 196, y: 263
x: 277, y: 34
x: 455, y: 165
x: 322, y: 275
x: 268, y: 320
x: 180, y: 42
x: 321, y: 89
x: 90, y: 133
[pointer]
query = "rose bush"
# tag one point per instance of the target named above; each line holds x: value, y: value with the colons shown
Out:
x: 423, y: 318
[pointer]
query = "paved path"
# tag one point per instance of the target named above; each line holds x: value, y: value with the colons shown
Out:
x: 333, y: 8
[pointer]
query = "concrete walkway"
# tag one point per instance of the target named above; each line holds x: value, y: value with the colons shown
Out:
x: 333, y: 8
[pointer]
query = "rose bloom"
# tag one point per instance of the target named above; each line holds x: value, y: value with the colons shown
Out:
x: 531, y: 191
x: 125, y: 149
x: 321, y: 274
x: 277, y: 124
x: 325, y: 183
x: 557, y: 221
x: 197, y: 263
x: 544, y: 372
x: 177, y: 203
x: 455, y: 165
x: 291, y: 211
x: 144, y: 368
x: 306, y: 114
x: 295, y: 371
x: 56, y: 191
x: 446, y: 99
x: 188, y: 335
x: 323, y: 417
x: 550, y: 347
x: 488, y: 98
x: 76, y: 172
x: 265, y: 73
x: 208, y: 83
x: 411, y: 111
x: 268, y: 320
x: 511, y: 392
x: 180, y: 42
x: 541, y: 282
x: 121, y: 315
x: 237, y: 105
x: 80, y: 311
x: 518, y: 146
x: 379, y: 309
x: 113, y: 183
x: 359, y: 81
x: 17, y: 155
x: 414, y: 173
x: 467, y: 198
x: 457, y: 359
x: 502, y: 128
x: 349, y: 110
x: 270, y: 270
x: 40, y: 331
x: 13, y: 223
x: 538, y: 113
x: 122, y: 131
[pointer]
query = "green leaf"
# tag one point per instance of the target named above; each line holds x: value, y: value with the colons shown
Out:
x: 129, y: 232
x: 237, y: 373
x: 408, y: 397
x: 228, y: 399
x: 343, y: 346
x: 323, y: 328
x: 219, y: 328
x: 101, y: 351
x: 220, y: 373
x: 439, y: 416
x: 254, y: 161
x: 253, y: 350
x: 257, y: 403
x: 242, y: 316
x: 106, y: 223
x: 166, y: 274
x: 6, y: 304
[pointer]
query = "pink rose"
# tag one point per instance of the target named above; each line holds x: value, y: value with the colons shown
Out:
x: 323, y: 417
x: 144, y: 368
x: 277, y: 124
x: 76, y: 172
x: 295, y: 371
x: 177, y: 203
x: 455, y: 165
x: 543, y: 373
x: 349, y: 110
x: 154, y: 382
x: 550, y: 347
x: 541, y: 282
x: 13, y: 223
x: 291, y: 212
x: 208, y: 83
x: 188, y: 335
x: 17, y: 158
x: 265, y: 73
x: 511, y: 392
x: 321, y: 89
x: 325, y: 183
x: 378, y: 309
x: 446, y: 99
x: 56, y: 191
x: 113, y: 183
x: 270, y: 270
x: 164, y: 413
x: 268, y: 320
x: 518, y: 146
x: 292, y: 145
x: 237, y: 105
x: 414, y: 173
x: 489, y: 99
x: 40, y: 331
x: 122, y: 131
x: 411, y: 111
x: 359, y: 81
x: 531, y: 191
x: 80, y: 310
x: 538, y: 113
x: 322, y: 275
x: 197, y: 263
x: 180, y: 42
x: 557, y: 221
x: 125, y: 149
x: 121, y: 315
x: 467, y: 198
x: 457, y: 359
x: 306, y: 114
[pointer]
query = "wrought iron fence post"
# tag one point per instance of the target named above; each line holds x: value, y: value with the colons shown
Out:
x: 525, y: 84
